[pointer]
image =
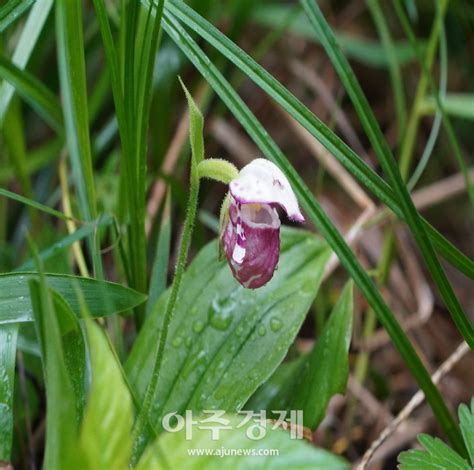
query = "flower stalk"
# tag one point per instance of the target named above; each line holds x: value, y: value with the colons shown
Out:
x: 197, y: 150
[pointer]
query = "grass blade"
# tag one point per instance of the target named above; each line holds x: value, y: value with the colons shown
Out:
x: 393, y: 64
x: 72, y: 77
x: 37, y: 95
x: 73, y: 89
x: 13, y: 10
x: 363, y: 50
x: 8, y: 341
x: 32, y: 203
x: 61, y: 404
x: 81, y: 233
x: 460, y: 105
x: 431, y: 142
x: 31, y: 31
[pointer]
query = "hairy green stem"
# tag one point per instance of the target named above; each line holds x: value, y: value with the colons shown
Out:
x: 143, y: 415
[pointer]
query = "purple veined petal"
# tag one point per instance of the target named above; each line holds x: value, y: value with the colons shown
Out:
x: 262, y: 182
x: 251, y: 242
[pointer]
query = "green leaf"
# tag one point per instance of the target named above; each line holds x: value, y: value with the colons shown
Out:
x: 466, y: 418
x: 326, y: 369
x: 68, y: 15
x: 224, y: 340
x: 277, y: 392
x: 61, y: 417
x: 59, y: 246
x: 196, y: 127
x: 73, y: 345
x: 437, y: 456
x: 276, y: 449
x: 107, y: 425
x: 309, y: 382
x: 366, y: 51
x: 8, y: 342
x: 159, y: 272
x: 459, y: 105
x: 101, y: 298
x: 35, y: 93
x: 24, y: 48
x: 31, y: 203
x: 13, y: 10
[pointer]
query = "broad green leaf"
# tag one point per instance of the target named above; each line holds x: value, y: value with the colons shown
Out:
x: 274, y: 450
x: 101, y: 298
x: 326, y: 370
x: 225, y: 341
x: 366, y: 51
x: 466, y: 418
x: 11, y: 11
x: 437, y: 456
x: 24, y: 48
x: 159, y: 271
x: 309, y: 382
x: 8, y: 342
x: 276, y: 392
x: 108, y: 418
x: 61, y: 409
x: 459, y: 105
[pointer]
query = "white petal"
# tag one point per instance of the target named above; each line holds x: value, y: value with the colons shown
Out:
x: 262, y: 182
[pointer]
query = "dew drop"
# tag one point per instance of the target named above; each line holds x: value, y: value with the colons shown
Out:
x: 220, y: 313
x: 275, y: 324
x: 198, y: 326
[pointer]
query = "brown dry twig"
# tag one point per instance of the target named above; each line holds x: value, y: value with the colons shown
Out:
x: 415, y: 401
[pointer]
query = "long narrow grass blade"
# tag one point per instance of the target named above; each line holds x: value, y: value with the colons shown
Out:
x: 35, y: 93
x: 29, y: 36
x: 32, y: 203
x: 72, y: 76
x: 12, y: 11
x: 378, y: 17
x: 431, y: 142
x: 8, y: 342
x: 73, y: 89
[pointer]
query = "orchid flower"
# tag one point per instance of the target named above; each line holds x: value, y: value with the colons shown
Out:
x: 250, y: 232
